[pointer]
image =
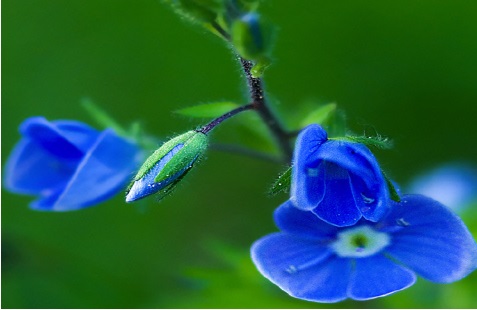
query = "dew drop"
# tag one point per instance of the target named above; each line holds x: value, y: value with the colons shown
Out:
x: 366, y: 199
x: 365, y: 209
x: 402, y: 222
x: 291, y: 269
x: 312, y: 172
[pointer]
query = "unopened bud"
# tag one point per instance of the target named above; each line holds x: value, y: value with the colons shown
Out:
x: 167, y: 165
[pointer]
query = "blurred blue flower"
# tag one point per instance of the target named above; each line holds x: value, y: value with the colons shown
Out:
x: 453, y: 184
x: 312, y: 260
x: 339, y: 181
x: 69, y: 165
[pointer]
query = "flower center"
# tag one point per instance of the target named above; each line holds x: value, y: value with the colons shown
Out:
x: 360, y: 241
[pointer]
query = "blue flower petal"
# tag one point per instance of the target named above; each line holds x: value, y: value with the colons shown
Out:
x: 102, y: 172
x: 31, y: 169
x: 63, y: 143
x: 304, y: 269
x: 371, y: 200
x: 338, y: 206
x: 303, y: 223
x: 47, y: 201
x: 340, y: 181
x: 307, y: 192
x: 377, y: 276
x: 367, y: 182
x: 431, y: 240
x: 354, y: 157
x: 79, y: 134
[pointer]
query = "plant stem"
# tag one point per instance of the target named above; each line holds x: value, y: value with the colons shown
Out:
x: 258, y: 100
x: 222, y: 118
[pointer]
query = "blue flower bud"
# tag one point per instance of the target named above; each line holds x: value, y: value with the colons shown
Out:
x: 68, y: 165
x: 167, y: 165
x: 337, y: 180
x: 248, y: 37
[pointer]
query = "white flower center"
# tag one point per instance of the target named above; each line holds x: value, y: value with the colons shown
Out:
x: 360, y: 241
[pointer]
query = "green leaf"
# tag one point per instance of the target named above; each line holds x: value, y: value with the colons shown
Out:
x: 337, y: 124
x: 392, y: 190
x: 259, y: 67
x: 208, y: 110
x: 102, y: 117
x: 282, y: 184
x: 319, y: 116
x: 198, y: 11
x: 379, y: 142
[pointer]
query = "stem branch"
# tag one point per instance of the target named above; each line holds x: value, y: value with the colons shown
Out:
x: 258, y: 100
x: 222, y: 118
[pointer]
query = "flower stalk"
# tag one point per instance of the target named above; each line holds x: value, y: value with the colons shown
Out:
x: 260, y: 105
x: 222, y: 118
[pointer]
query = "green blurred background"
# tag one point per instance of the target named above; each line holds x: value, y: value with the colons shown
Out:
x: 407, y: 69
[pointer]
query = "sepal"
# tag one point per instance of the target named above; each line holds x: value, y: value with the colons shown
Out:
x: 282, y: 184
x: 378, y: 141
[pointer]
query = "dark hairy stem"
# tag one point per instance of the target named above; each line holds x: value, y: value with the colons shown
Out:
x: 258, y: 100
x: 222, y: 118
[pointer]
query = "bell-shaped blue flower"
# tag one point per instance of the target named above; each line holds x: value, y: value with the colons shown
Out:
x: 313, y: 260
x: 339, y: 181
x: 68, y: 165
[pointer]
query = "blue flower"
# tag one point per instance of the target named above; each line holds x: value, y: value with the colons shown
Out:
x: 312, y: 260
x: 69, y: 165
x: 339, y: 181
x: 453, y: 184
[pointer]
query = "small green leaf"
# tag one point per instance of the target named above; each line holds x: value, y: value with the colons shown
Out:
x: 282, y: 184
x: 378, y: 141
x: 319, y: 116
x: 337, y: 124
x: 208, y: 110
x: 392, y: 190
x: 102, y: 117
x: 259, y: 67
x: 198, y: 11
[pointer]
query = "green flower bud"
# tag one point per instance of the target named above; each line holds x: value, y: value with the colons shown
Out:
x: 167, y: 165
